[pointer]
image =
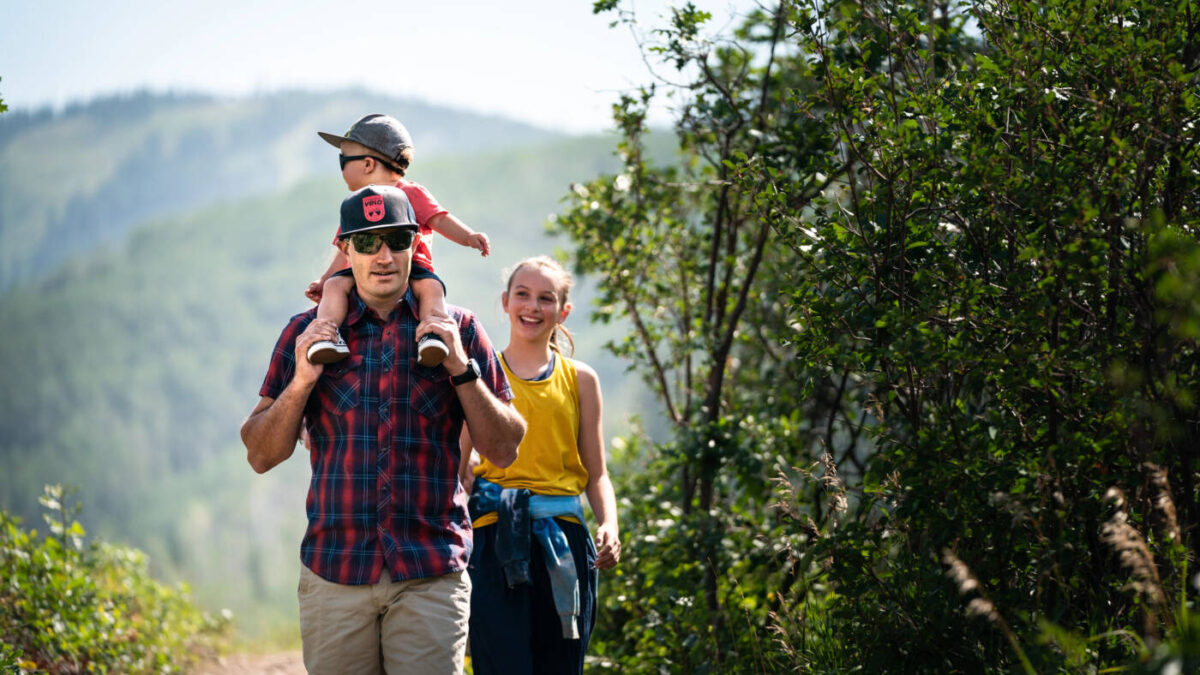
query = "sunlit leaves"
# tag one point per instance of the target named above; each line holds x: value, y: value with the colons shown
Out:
x: 70, y: 607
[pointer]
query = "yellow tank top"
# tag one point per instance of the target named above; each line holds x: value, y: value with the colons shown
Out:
x: 548, y: 461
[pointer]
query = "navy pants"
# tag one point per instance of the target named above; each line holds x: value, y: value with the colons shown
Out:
x: 516, y: 631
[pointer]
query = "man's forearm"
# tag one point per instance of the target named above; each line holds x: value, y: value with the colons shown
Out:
x: 496, y: 428
x: 271, y: 431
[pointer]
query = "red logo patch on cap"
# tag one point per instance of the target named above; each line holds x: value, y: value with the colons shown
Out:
x: 373, y: 208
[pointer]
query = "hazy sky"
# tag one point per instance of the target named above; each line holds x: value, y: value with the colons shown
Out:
x: 550, y: 62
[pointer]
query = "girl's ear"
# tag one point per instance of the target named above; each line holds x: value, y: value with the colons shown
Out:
x: 566, y: 311
x: 504, y: 301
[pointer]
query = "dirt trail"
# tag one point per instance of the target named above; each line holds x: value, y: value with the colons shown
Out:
x: 287, y: 663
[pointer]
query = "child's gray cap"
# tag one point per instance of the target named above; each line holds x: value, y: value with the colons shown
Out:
x: 382, y: 133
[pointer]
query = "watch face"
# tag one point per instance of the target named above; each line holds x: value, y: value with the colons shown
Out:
x: 471, y: 373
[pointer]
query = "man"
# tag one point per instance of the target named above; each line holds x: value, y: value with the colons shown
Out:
x: 383, y: 586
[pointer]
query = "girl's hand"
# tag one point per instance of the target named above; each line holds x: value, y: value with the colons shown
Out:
x: 608, y: 547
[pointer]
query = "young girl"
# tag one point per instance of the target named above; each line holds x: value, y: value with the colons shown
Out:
x: 533, y: 568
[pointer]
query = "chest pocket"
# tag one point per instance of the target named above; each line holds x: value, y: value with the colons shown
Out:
x: 431, y: 391
x: 340, y: 385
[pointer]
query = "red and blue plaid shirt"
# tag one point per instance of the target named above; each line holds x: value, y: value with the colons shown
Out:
x: 384, y: 433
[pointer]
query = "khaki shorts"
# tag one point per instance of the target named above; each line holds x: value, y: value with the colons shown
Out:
x: 415, y: 626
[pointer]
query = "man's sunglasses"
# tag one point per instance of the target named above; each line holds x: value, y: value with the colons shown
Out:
x: 343, y: 160
x: 368, y: 243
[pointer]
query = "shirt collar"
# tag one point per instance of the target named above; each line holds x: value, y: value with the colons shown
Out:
x: 359, y: 309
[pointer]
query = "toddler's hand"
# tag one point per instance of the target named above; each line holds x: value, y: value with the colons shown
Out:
x: 479, y: 241
x: 314, y: 290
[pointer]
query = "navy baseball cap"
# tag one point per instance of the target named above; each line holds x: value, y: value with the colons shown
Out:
x: 382, y: 133
x: 376, y: 207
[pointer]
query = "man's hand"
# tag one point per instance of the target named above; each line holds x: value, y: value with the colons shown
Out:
x: 441, y: 325
x: 306, y: 371
x: 315, y: 290
x: 479, y: 241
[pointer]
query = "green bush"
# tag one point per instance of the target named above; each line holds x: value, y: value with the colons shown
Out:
x: 70, y: 607
x: 930, y: 267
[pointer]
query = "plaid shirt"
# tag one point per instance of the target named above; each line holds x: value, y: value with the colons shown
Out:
x: 384, y: 434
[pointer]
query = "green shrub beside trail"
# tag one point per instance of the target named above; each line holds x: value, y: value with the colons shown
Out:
x: 68, y: 607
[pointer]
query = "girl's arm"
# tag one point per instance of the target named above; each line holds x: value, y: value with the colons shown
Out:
x: 601, y: 496
x: 468, y: 460
x: 450, y: 227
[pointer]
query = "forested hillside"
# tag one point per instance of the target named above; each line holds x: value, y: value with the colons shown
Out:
x: 86, y: 175
x: 130, y: 366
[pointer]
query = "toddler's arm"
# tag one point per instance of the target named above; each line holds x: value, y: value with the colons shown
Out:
x: 450, y: 227
x: 339, y: 262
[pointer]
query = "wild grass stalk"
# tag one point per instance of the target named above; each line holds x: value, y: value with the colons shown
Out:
x: 981, y: 605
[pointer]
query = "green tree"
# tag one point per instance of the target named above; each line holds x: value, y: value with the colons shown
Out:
x: 935, y: 263
x: 1000, y: 269
x: 688, y: 257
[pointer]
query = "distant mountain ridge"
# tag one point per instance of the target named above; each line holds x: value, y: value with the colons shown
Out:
x: 85, y: 176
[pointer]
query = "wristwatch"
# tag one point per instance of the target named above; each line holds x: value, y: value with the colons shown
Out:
x: 471, y: 373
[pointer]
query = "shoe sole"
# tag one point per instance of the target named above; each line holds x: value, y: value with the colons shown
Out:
x: 431, y: 354
x: 326, y: 356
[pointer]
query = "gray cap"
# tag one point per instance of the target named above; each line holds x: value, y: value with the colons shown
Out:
x: 376, y: 207
x: 382, y: 133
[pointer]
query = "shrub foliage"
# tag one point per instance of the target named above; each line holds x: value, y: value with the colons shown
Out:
x: 920, y: 303
x: 71, y: 607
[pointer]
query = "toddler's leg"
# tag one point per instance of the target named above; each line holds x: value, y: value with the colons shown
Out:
x: 431, y: 297
x: 335, y: 303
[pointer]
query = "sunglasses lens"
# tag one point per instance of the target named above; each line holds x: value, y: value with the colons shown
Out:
x: 399, y: 240
x: 369, y: 243
x: 365, y: 243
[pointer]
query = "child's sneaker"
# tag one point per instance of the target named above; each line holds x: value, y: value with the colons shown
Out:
x: 431, y: 350
x: 328, y: 351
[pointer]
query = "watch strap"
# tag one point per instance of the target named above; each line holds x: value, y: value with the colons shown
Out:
x: 471, y: 373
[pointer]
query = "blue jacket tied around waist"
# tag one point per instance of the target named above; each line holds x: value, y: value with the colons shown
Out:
x: 523, y: 514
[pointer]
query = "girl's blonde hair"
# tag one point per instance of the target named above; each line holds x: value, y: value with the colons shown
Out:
x: 562, y: 287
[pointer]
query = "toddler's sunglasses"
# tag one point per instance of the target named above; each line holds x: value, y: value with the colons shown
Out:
x: 343, y: 160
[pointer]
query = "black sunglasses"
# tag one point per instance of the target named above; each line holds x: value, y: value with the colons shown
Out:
x: 343, y: 160
x: 368, y: 243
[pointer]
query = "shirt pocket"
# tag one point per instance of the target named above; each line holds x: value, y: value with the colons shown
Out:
x: 340, y: 385
x: 431, y: 392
